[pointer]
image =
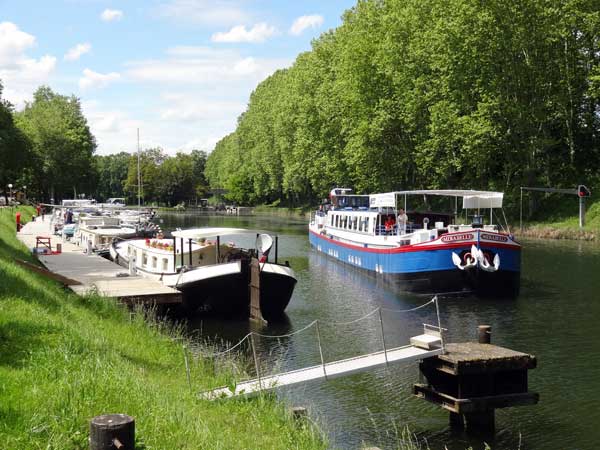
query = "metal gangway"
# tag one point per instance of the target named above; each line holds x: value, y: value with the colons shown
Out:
x: 428, y: 344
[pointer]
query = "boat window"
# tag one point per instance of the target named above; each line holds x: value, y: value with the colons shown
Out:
x: 154, y: 262
x: 165, y: 264
x: 144, y: 259
x: 337, y: 220
x: 331, y: 220
x: 355, y: 223
x: 367, y: 224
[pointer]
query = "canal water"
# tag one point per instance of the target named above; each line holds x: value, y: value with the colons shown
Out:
x: 556, y: 318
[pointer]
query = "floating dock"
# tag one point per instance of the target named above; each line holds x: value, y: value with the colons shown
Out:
x: 84, y: 274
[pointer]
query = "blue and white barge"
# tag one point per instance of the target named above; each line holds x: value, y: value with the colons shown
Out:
x: 422, y: 251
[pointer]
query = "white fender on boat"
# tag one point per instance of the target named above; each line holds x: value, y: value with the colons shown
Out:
x: 457, y: 262
x: 470, y: 260
x: 485, y: 264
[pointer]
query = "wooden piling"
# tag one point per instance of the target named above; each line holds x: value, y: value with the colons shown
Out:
x: 484, y: 334
x: 472, y: 379
x: 299, y: 413
x: 255, y: 311
x: 112, y: 431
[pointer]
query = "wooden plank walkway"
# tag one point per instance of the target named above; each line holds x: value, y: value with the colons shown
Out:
x: 95, y: 273
x: 327, y: 370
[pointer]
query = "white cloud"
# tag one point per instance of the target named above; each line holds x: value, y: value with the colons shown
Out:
x: 75, y: 53
x: 258, y: 33
x: 94, y: 79
x: 109, y: 15
x: 13, y: 42
x: 204, y: 12
x: 207, y: 66
x: 21, y: 74
x: 304, y: 22
x: 182, y: 107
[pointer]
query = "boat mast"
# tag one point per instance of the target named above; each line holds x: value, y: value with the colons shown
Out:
x: 138, y: 172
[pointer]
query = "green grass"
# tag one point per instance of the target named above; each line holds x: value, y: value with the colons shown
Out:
x: 560, y: 220
x: 65, y: 359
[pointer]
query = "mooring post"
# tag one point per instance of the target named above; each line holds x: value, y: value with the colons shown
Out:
x: 581, y: 212
x: 112, y: 431
x: 276, y: 248
x: 254, y: 291
x: 190, y: 251
x: 299, y: 413
x: 484, y: 334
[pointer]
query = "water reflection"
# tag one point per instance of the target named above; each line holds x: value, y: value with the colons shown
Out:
x: 554, y: 318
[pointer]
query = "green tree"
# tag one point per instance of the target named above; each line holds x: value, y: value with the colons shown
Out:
x: 112, y: 173
x: 62, y: 143
x: 15, y: 154
x: 150, y: 161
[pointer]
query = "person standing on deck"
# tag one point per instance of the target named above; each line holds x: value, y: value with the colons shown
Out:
x: 402, y: 221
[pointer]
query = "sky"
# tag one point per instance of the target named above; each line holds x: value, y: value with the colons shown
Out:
x: 181, y: 71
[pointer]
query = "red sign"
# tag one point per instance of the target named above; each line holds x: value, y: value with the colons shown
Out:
x: 494, y: 237
x: 457, y: 237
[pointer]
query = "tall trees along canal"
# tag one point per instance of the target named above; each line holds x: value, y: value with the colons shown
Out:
x: 437, y: 94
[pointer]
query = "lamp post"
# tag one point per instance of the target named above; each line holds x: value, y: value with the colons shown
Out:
x: 10, y: 186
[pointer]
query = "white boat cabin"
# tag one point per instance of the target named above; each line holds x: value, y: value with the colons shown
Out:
x: 168, y: 255
x: 373, y: 219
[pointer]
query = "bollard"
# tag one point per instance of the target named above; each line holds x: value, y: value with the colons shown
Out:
x: 112, y: 431
x: 18, y: 220
x: 59, y: 248
x: 484, y: 333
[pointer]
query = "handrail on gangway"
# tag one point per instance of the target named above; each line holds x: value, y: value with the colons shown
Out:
x: 430, y: 343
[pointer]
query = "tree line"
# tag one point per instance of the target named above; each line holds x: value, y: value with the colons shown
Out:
x: 412, y: 94
x: 47, y: 152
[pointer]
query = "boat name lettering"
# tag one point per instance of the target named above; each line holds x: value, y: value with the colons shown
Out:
x: 494, y: 237
x: 457, y: 237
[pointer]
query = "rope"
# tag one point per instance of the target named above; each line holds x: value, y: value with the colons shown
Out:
x: 212, y: 355
x: 352, y: 321
x: 285, y: 335
x: 409, y: 310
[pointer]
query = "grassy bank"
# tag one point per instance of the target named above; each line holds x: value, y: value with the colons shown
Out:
x: 559, y: 225
x: 65, y: 359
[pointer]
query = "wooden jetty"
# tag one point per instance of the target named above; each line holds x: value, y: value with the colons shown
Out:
x: 91, y: 273
x: 472, y: 379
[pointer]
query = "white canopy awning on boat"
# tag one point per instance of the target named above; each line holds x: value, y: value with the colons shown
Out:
x: 471, y: 199
x: 199, y: 233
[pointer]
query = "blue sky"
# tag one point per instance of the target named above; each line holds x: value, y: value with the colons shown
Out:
x: 179, y: 70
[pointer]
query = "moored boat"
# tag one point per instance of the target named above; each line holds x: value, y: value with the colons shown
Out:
x: 372, y: 233
x: 213, y: 276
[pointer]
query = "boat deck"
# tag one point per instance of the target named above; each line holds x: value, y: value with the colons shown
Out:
x: 94, y: 273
